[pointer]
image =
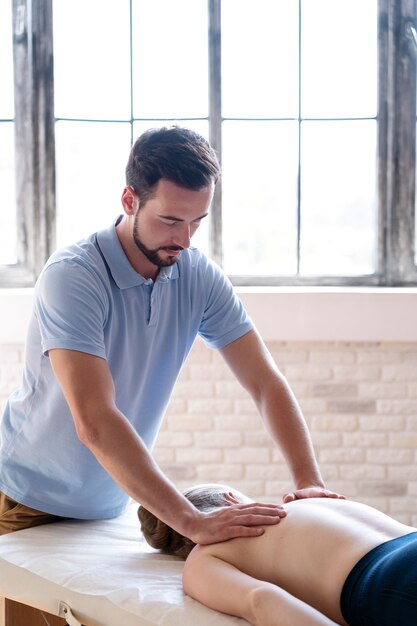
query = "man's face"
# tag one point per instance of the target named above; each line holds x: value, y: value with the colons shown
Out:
x: 164, y: 225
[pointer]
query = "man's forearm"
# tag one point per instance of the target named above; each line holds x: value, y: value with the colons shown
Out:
x: 122, y: 453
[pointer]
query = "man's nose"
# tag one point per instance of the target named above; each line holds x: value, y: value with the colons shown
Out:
x: 183, y: 236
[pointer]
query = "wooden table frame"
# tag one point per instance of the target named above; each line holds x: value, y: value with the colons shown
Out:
x: 16, y: 614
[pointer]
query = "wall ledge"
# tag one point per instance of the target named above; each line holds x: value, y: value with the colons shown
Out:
x: 334, y: 313
x: 285, y: 313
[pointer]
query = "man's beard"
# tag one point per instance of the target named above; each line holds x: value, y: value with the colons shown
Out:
x: 153, y: 255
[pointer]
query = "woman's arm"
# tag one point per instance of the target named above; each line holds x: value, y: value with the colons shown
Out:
x: 221, y: 586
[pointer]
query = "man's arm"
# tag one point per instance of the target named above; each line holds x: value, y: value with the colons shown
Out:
x: 89, y: 391
x: 254, y: 368
x: 221, y: 586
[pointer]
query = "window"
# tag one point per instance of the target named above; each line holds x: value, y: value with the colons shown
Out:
x: 300, y: 109
x: 107, y: 94
x: 309, y: 103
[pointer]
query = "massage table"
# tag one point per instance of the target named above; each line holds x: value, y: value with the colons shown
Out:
x: 95, y: 573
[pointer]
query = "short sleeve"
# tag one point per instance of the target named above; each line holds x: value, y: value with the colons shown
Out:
x: 225, y: 318
x: 70, y: 306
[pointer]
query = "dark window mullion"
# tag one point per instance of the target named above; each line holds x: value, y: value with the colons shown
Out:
x: 401, y: 136
x: 34, y: 139
x: 215, y: 122
x: 43, y: 80
x: 299, y: 139
x: 23, y: 272
x: 384, y: 72
x: 132, y: 138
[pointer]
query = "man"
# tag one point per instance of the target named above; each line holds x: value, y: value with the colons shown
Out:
x: 114, y: 319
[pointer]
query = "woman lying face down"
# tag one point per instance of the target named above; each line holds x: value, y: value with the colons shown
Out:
x: 328, y: 562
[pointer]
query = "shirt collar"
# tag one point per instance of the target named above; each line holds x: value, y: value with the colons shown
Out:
x: 120, y: 268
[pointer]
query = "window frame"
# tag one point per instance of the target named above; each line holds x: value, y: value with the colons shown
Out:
x: 396, y: 118
x: 34, y: 141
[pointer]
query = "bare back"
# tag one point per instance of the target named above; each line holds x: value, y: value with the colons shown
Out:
x: 311, y: 552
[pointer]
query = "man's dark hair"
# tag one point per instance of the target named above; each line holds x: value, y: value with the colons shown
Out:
x: 177, y: 154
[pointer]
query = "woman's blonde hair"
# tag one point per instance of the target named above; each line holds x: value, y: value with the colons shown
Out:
x: 159, y: 535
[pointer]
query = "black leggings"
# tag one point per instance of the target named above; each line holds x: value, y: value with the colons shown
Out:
x: 381, y: 590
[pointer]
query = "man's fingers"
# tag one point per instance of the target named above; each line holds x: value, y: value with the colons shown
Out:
x: 259, y: 511
x: 253, y: 519
x: 233, y: 532
x: 261, y: 505
x: 245, y: 531
x: 311, y: 492
x: 237, y: 520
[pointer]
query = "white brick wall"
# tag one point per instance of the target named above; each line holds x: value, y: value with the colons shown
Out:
x: 359, y: 400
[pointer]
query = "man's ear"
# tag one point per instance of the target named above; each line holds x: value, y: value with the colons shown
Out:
x: 130, y: 200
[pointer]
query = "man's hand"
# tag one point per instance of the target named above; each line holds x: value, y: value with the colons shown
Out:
x: 235, y: 520
x: 311, y: 492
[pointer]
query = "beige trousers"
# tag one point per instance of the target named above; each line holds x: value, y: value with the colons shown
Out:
x: 15, y: 516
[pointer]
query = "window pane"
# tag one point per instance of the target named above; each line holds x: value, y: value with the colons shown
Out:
x: 260, y: 162
x: 6, y: 61
x: 260, y: 58
x: 338, y: 198
x: 91, y: 159
x: 339, y: 58
x: 92, y: 59
x: 8, y: 225
x: 170, y: 66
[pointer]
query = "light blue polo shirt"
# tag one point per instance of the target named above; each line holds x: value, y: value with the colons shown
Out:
x: 89, y: 298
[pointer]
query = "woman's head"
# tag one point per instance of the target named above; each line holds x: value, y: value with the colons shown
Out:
x: 207, y: 497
